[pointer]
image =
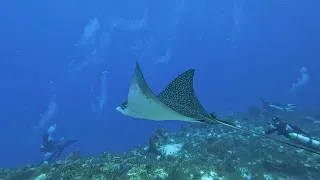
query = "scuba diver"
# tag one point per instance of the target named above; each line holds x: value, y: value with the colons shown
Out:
x: 53, y: 148
x: 293, y: 133
x: 277, y: 107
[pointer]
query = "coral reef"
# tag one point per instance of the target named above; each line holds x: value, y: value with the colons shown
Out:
x: 197, y: 151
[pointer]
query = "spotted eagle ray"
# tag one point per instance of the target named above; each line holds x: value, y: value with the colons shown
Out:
x: 177, y: 101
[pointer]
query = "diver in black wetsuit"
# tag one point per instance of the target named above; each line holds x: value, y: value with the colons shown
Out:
x: 293, y: 133
x: 53, y: 148
x: 277, y: 107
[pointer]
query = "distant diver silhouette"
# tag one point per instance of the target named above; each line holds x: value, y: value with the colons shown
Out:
x: 277, y: 107
x: 53, y: 148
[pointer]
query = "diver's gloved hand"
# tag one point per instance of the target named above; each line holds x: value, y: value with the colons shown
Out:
x: 271, y: 125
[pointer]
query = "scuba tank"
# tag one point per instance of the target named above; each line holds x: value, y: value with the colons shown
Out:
x: 303, y: 139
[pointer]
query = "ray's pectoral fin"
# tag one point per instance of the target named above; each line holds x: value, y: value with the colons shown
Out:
x: 180, y: 96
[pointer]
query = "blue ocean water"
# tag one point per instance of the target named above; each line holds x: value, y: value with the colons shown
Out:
x: 56, y: 52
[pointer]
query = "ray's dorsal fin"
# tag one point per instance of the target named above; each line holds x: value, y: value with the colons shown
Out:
x: 180, y: 92
x: 140, y: 81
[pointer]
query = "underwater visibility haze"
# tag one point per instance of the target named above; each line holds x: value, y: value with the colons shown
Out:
x: 119, y: 85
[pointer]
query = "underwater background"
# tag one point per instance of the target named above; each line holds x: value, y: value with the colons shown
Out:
x: 70, y: 63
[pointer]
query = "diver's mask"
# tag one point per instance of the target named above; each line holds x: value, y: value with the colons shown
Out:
x: 275, y: 122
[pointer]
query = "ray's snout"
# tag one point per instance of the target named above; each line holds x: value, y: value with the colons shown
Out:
x: 119, y: 109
